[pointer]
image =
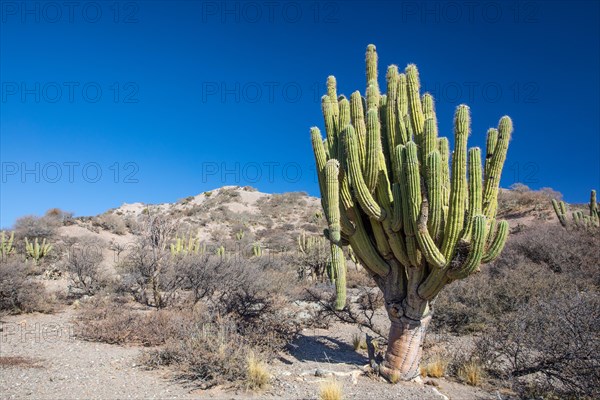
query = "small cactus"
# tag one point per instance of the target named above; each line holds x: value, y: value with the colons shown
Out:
x: 580, y: 220
x: 257, y: 249
x: 190, y: 245
x: 220, y: 251
x: 6, y: 244
x: 240, y: 235
x: 37, y: 251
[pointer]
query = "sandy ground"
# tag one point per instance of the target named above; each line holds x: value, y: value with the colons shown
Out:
x: 41, y: 359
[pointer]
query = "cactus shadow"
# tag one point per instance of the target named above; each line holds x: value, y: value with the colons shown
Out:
x: 324, y: 349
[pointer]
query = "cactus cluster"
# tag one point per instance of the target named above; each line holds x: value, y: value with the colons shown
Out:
x: 240, y: 235
x: 388, y: 189
x: 189, y: 245
x: 37, y: 250
x: 257, y: 249
x: 416, y: 216
x: 314, y: 247
x: 580, y: 220
x: 6, y: 244
x: 220, y: 251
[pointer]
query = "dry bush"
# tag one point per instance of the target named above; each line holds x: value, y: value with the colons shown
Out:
x: 359, y: 342
x: 257, y: 374
x: 471, y: 372
x: 20, y: 293
x: 104, y: 320
x: 31, y: 226
x: 113, y: 223
x: 436, y: 367
x: 554, y: 341
x: 538, y: 307
x: 521, y: 201
x: 83, y: 266
x: 539, y: 260
x: 331, y: 390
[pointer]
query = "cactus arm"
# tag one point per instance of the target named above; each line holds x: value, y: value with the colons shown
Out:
x: 338, y: 261
x: 475, y: 190
x: 357, y: 115
x: 497, y: 243
x: 397, y: 208
x: 414, y: 102
x: 492, y: 182
x: 371, y: 163
x: 559, y: 210
x: 476, y: 250
x: 365, y: 199
x: 433, y: 179
x: 458, y: 184
x: 491, y: 141
x: 418, y: 208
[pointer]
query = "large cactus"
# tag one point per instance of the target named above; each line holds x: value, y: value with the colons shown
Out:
x: 413, y: 221
x: 580, y: 220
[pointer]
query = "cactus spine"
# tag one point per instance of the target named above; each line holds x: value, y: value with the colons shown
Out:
x: 6, y: 244
x: 37, y: 251
x: 580, y: 220
x: 414, y: 220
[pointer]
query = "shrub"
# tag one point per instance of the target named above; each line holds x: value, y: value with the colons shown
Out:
x: 257, y: 374
x: 83, y: 265
x: 32, y: 226
x: 471, y: 373
x: 436, y: 367
x: 554, y: 339
x: 20, y: 293
x: 331, y: 390
x: 113, y: 223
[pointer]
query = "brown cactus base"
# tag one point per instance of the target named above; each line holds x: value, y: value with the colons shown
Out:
x: 405, y: 349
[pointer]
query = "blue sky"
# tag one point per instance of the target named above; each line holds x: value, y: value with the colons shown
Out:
x: 108, y: 102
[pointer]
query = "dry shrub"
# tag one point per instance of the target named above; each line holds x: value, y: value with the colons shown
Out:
x: 331, y: 390
x: 257, y: 374
x: 554, y: 341
x: 113, y: 223
x: 31, y: 226
x: 207, y: 353
x: 471, y: 372
x: 101, y: 320
x: 83, y: 266
x: 359, y: 342
x: 436, y: 367
x: 521, y: 201
x: 538, y: 307
x: 20, y: 293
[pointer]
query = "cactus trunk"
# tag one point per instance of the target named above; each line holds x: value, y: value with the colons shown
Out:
x: 405, y: 348
x: 416, y: 216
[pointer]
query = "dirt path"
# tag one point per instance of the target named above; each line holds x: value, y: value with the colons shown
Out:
x: 40, y: 359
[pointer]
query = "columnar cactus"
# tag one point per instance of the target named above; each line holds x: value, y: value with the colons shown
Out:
x: 580, y: 220
x: 190, y: 245
x: 37, y: 251
x: 413, y: 221
x: 6, y: 244
x: 257, y: 249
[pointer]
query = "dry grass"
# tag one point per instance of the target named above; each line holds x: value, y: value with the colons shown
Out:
x: 359, y: 342
x: 20, y: 362
x: 331, y: 390
x: 435, y: 368
x: 257, y: 374
x: 471, y: 373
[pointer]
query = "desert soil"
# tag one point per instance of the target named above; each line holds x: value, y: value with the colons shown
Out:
x: 41, y: 359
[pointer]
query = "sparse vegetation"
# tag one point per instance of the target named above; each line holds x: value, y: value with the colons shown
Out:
x: 330, y: 390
